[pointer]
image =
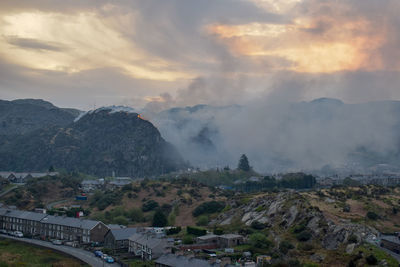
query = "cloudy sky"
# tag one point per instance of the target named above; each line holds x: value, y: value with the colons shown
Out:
x: 162, y: 53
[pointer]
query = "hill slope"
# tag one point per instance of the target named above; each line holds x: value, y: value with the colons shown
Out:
x: 98, y: 143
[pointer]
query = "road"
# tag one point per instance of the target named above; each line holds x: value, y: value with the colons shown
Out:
x: 9, y: 190
x: 377, y: 244
x: 81, y: 254
x: 50, y: 205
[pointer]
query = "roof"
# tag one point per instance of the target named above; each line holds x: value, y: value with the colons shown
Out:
x: 181, y: 261
x: 147, y: 240
x: 115, y: 226
x: 72, y: 222
x: 205, y: 237
x: 391, y: 238
x: 124, y: 233
x: 27, y: 215
x: 228, y: 236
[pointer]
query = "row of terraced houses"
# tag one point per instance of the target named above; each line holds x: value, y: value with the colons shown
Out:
x: 52, y: 227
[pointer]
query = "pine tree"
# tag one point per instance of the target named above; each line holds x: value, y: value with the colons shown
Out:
x: 244, y: 163
x: 159, y: 219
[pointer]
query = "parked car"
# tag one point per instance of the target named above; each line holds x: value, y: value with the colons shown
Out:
x: 57, y: 242
x: 98, y: 253
x: 9, y: 232
x: 104, y: 256
x: 18, y: 234
x: 109, y: 259
x: 3, y: 231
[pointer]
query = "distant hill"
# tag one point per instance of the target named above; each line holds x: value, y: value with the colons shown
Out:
x: 100, y: 142
x: 25, y: 115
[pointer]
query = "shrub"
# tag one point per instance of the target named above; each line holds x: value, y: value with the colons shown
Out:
x: 208, y: 207
x: 218, y: 231
x: 305, y: 247
x: 202, y: 220
x: 120, y: 220
x: 257, y: 225
x: 285, y: 246
x: 187, y: 239
x: 196, y: 231
x: 371, y: 260
x: 299, y: 228
x: 149, y: 205
x: 352, y: 239
x: 372, y: 215
x: 259, y: 240
x: 304, y: 236
x: 174, y: 230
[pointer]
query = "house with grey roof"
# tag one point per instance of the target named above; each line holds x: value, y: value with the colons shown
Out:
x: 24, y: 221
x: 147, y: 246
x: 172, y: 260
x: 73, y: 229
x: 118, y: 239
x: 222, y: 241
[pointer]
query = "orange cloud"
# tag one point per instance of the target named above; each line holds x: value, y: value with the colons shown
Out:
x: 319, y: 45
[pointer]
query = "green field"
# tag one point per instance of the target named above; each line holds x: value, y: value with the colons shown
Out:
x: 14, y: 253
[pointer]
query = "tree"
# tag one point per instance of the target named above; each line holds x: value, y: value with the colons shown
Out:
x: 159, y: 219
x: 244, y: 163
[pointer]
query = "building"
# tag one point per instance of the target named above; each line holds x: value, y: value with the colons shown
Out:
x: 222, y: 241
x: 52, y: 227
x: 118, y: 239
x: 230, y: 240
x: 73, y: 229
x: 207, y: 239
x: 391, y: 242
x: 172, y: 260
x: 147, y: 246
x: 91, y: 185
x: 26, y: 222
x: 22, y: 177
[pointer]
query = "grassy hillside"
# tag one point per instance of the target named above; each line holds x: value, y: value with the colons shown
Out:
x: 13, y: 253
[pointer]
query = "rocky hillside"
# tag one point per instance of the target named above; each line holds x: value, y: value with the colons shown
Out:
x: 100, y: 142
x: 296, y: 229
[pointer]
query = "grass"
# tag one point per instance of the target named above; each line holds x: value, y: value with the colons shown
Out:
x: 368, y: 249
x: 14, y: 253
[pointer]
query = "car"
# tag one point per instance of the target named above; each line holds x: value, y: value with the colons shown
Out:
x: 18, y: 234
x: 109, y: 259
x: 10, y: 232
x: 104, y: 256
x: 3, y: 231
x: 56, y: 242
x: 98, y: 253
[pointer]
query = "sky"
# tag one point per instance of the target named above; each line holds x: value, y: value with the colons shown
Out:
x: 163, y: 53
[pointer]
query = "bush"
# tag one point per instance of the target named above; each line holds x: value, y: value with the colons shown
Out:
x: 259, y: 240
x: 149, y: 205
x: 174, y: 230
x: 196, y: 231
x: 285, y: 246
x: 372, y: 215
x: 305, y: 247
x: 202, y: 220
x: 352, y: 239
x: 299, y: 228
x: 208, y: 207
x: 120, y: 220
x: 371, y: 260
x: 218, y: 231
x: 187, y: 239
x: 257, y: 225
x: 136, y: 215
x: 304, y: 236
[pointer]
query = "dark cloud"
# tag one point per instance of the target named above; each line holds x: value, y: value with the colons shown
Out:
x: 30, y: 43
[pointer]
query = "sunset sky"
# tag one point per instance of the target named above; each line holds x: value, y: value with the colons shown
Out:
x: 183, y: 52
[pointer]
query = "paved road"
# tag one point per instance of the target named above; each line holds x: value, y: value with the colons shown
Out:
x: 9, y: 190
x: 50, y: 205
x: 391, y: 253
x: 81, y: 254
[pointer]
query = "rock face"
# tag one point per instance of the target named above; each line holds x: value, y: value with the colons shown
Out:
x: 100, y: 143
